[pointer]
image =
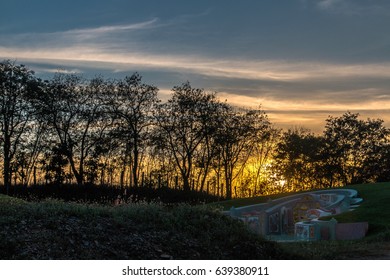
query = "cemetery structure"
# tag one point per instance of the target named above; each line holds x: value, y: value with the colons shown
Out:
x: 296, y: 217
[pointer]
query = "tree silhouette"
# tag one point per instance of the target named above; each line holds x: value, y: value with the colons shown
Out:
x: 133, y: 104
x: 182, y: 127
x: 16, y: 83
x: 354, y: 147
x: 77, y: 113
x: 296, y: 159
x: 236, y: 136
x: 71, y: 129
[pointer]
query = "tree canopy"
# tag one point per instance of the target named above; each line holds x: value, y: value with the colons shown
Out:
x: 69, y: 129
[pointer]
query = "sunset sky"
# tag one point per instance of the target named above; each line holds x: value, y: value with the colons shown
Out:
x: 302, y: 60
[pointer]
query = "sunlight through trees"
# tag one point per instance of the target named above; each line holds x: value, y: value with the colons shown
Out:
x: 118, y: 133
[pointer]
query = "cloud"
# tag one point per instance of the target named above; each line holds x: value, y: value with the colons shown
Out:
x: 113, y: 28
x: 269, y: 80
x: 284, y: 87
x: 286, y: 113
x: 328, y: 4
x: 102, y: 37
x: 262, y: 70
x: 352, y: 8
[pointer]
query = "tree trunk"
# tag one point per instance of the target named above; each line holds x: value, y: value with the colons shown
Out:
x: 6, y: 174
x: 186, y: 183
x: 228, y: 181
x: 35, y: 176
x: 77, y: 174
x: 7, y: 164
x: 122, y: 178
x: 135, y: 164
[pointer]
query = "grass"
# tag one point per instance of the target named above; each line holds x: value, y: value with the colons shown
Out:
x: 374, y: 209
x: 227, y: 204
x: 54, y: 229
x: 240, y: 202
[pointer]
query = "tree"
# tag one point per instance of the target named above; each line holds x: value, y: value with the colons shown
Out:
x: 208, y: 148
x: 236, y: 135
x: 54, y: 167
x: 77, y: 113
x: 134, y: 103
x: 16, y: 83
x: 296, y: 159
x: 259, y: 164
x: 182, y: 126
x: 354, y: 148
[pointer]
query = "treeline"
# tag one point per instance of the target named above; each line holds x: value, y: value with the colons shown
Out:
x: 118, y: 133
x: 350, y: 151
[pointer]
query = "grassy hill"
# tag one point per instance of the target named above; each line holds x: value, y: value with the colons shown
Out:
x: 57, y: 230
x: 375, y: 208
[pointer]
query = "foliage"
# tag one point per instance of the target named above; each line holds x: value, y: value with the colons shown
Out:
x: 350, y: 151
x: 107, y: 195
x: 354, y: 149
x: 118, y: 133
x: 297, y: 160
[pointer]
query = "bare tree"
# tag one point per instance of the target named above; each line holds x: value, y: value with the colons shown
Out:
x: 182, y: 126
x: 16, y: 83
x: 263, y: 147
x: 236, y: 136
x: 77, y: 112
x: 134, y: 103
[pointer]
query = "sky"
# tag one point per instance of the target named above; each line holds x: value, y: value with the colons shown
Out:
x: 300, y: 60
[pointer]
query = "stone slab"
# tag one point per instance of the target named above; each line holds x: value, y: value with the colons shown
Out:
x: 351, y: 231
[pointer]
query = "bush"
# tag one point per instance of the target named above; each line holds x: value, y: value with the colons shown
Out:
x: 104, y: 194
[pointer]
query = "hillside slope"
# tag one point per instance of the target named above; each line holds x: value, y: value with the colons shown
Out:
x: 58, y: 230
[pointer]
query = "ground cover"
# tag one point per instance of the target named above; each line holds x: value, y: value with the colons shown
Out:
x: 57, y: 230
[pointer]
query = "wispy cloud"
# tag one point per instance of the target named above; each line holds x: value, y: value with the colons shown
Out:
x: 328, y: 4
x: 114, y: 28
x: 282, y: 86
x: 100, y: 36
x: 354, y: 8
x: 275, y: 80
x: 119, y: 47
x: 309, y: 113
x: 272, y: 70
x: 284, y: 89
